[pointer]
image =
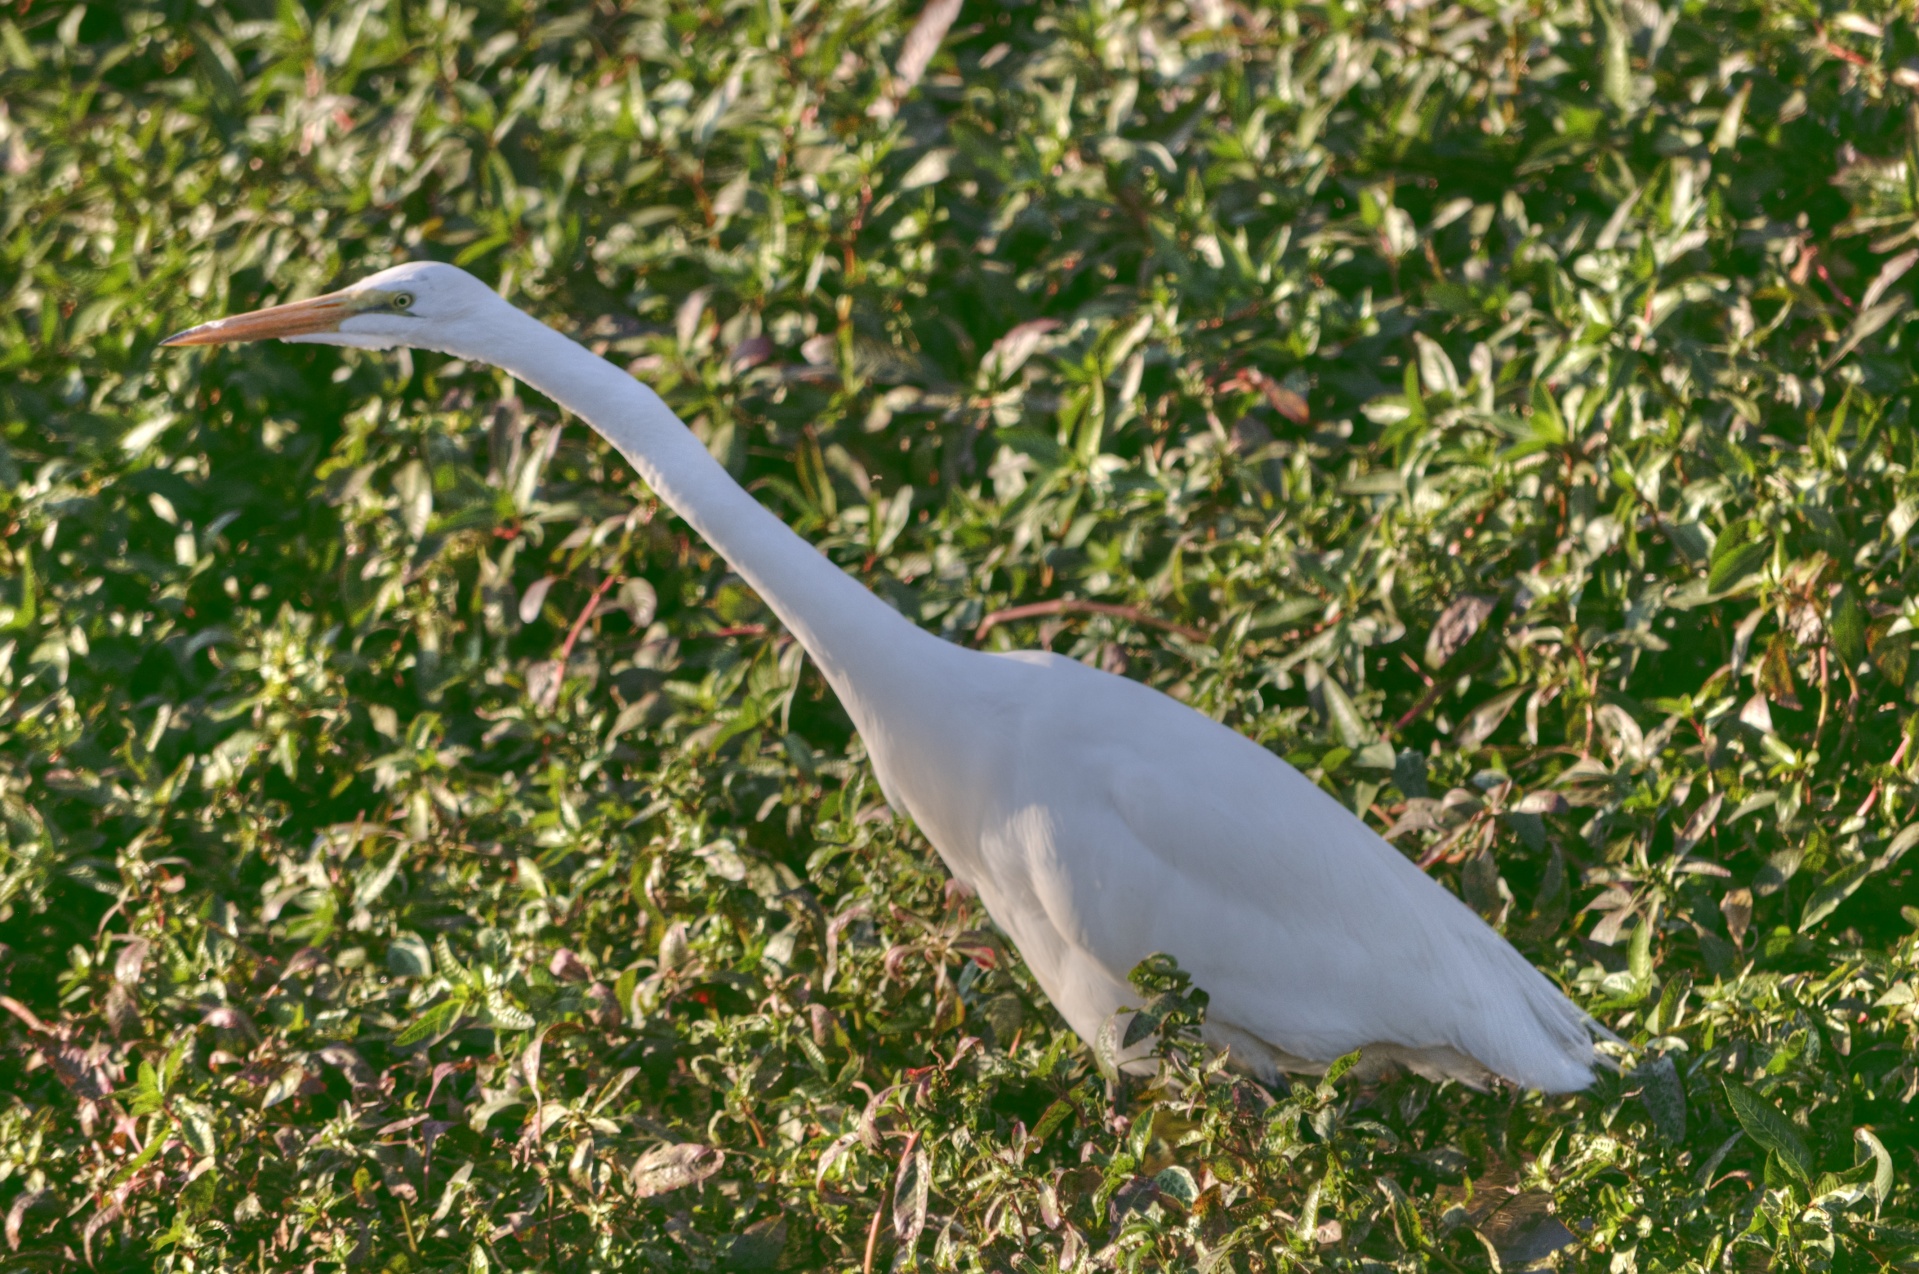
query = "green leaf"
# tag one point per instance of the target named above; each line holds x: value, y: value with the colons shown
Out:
x: 1639, y: 948
x: 450, y: 967
x: 375, y: 883
x: 1486, y: 718
x: 1617, y: 74
x: 1839, y: 887
x: 153, y: 1147
x: 1664, y: 1096
x: 1896, y: 848
x: 1872, y: 1148
x: 674, y: 1167
x: 1376, y: 756
x: 1738, y: 552
x: 1107, y: 1048
x: 498, y: 1011
x: 1726, y: 134
x: 1054, y: 1117
x: 407, y: 956
x: 286, y: 1084
x: 1177, y: 1183
x: 434, y: 1022
x: 29, y: 608
x: 148, y: 1095
x: 1847, y: 625
x: 1868, y: 322
x: 1159, y: 972
x: 1694, y: 542
x: 1350, y: 727
x: 1544, y: 429
x: 1148, y: 1019
x: 1340, y: 1066
x: 195, y: 1123
x: 912, y: 1188
x: 1770, y: 1130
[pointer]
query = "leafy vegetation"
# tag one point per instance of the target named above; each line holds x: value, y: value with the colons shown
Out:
x: 419, y: 852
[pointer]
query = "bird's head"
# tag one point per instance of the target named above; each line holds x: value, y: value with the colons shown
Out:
x: 423, y: 304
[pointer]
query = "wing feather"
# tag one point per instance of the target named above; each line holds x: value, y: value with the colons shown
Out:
x: 1308, y: 930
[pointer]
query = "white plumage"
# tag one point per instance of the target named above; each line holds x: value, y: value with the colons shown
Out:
x: 1099, y: 820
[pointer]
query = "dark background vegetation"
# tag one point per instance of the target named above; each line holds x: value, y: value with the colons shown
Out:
x: 417, y: 851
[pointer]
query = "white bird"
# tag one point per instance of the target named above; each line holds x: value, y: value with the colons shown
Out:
x: 1099, y: 820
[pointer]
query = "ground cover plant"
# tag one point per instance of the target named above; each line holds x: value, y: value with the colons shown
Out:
x: 417, y: 852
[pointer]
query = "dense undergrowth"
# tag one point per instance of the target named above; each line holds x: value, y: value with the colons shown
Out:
x: 417, y: 852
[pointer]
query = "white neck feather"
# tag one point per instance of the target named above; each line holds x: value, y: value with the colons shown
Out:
x: 867, y: 650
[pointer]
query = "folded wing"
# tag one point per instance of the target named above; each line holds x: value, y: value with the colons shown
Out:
x: 1312, y: 935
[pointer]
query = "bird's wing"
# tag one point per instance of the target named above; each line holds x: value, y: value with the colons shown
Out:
x: 1308, y: 930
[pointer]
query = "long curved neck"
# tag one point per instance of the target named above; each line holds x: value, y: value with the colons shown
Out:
x: 864, y: 646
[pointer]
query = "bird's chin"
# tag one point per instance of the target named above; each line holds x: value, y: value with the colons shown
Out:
x: 358, y: 340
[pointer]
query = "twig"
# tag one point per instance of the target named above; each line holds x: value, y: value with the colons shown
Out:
x: 1825, y: 694
x: 1443, y: 850
x: 1281, y: 399
x: 1839, y: 50
x: 1434, y: 689
x: 872, y: 1238
x: 1074, y: 606
x: 406, y: 1219
x: 1827, y: 278
x: 1872, y: 797
x: 592, y: 604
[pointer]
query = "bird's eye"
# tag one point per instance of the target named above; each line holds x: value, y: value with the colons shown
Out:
x: 403, y: 300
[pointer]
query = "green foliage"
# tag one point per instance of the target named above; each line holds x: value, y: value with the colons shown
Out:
x: 418, y: 852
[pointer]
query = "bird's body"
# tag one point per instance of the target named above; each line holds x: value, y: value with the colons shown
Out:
x: 1099, y: 820
x: 1102, y: 821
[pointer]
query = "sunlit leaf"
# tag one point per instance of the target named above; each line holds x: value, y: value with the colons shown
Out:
x: 1770, y: 1129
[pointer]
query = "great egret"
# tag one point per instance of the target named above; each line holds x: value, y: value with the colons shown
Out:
x: 1099, y: 820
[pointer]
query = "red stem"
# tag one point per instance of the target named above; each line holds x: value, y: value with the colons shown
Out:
x: 1073, y: 606
x: 592, y: 604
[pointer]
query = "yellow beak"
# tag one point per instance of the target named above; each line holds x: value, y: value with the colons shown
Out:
x: 296, y: 318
